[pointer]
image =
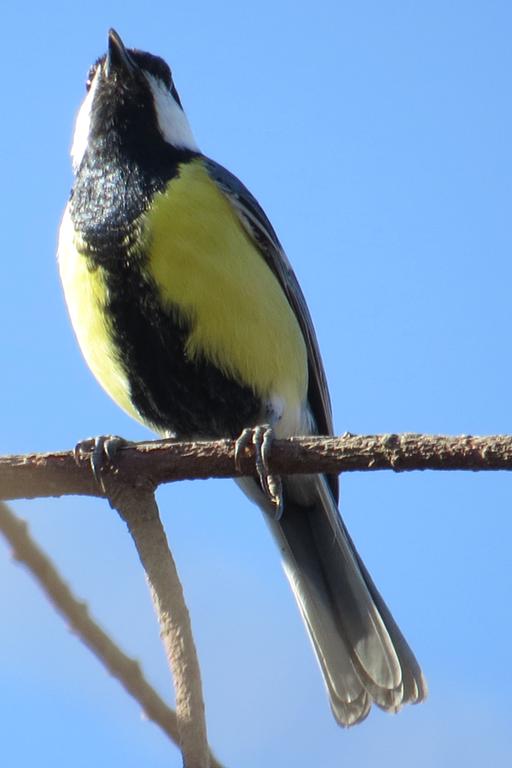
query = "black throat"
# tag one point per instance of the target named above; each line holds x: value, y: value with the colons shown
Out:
x: 127, y: 161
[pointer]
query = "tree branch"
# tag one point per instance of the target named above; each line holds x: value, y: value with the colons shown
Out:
x: 126, y: 670
x: 161, y: 461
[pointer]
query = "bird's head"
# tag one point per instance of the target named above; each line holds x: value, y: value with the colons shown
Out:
x: 131, y: 103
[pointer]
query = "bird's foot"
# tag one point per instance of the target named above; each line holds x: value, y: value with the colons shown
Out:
x: 100, y: 452
x: 262, y: 438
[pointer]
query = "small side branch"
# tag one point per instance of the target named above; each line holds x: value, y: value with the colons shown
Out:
x: 139, y: 510
x: 164, y: 461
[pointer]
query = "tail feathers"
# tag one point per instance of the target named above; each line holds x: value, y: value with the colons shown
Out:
x: 363, y: 655
x: 350, y: 700
x: 415, y: 687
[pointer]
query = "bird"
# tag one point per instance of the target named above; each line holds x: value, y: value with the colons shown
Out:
x: 189, y: 314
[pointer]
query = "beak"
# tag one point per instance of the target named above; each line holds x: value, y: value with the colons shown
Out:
x: 118, y: 59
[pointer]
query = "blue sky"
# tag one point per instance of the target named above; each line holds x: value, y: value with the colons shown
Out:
x: 377, y: 137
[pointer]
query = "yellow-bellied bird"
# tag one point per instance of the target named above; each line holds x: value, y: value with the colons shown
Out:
x: 190, y: 316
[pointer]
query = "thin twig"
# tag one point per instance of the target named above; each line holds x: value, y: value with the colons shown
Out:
x: 125, y: 669
x: 163, y: 461
x: 139, y: 510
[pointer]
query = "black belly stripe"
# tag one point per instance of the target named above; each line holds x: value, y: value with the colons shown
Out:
x: 172, y: 392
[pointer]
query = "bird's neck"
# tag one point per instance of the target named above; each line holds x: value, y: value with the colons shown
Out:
x: 115, y: 184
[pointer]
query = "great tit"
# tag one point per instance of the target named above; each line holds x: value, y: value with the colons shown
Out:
x: 190, y: 316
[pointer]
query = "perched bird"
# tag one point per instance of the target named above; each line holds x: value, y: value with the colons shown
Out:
x: 190, y: 316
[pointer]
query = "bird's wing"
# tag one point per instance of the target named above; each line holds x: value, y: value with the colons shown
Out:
x: 260, y: 229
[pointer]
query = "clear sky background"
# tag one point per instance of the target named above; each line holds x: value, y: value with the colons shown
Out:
x: 377, y: 136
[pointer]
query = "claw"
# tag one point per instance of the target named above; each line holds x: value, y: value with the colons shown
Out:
x: 100, y: 451
x: 262, y: 438
x: 240, y: 446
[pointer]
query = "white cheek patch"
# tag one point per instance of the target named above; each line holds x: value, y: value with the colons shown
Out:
x: 83, y: 126
x: 172, y: 121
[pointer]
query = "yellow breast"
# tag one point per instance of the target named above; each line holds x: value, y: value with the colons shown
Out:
x: 204, y: 261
